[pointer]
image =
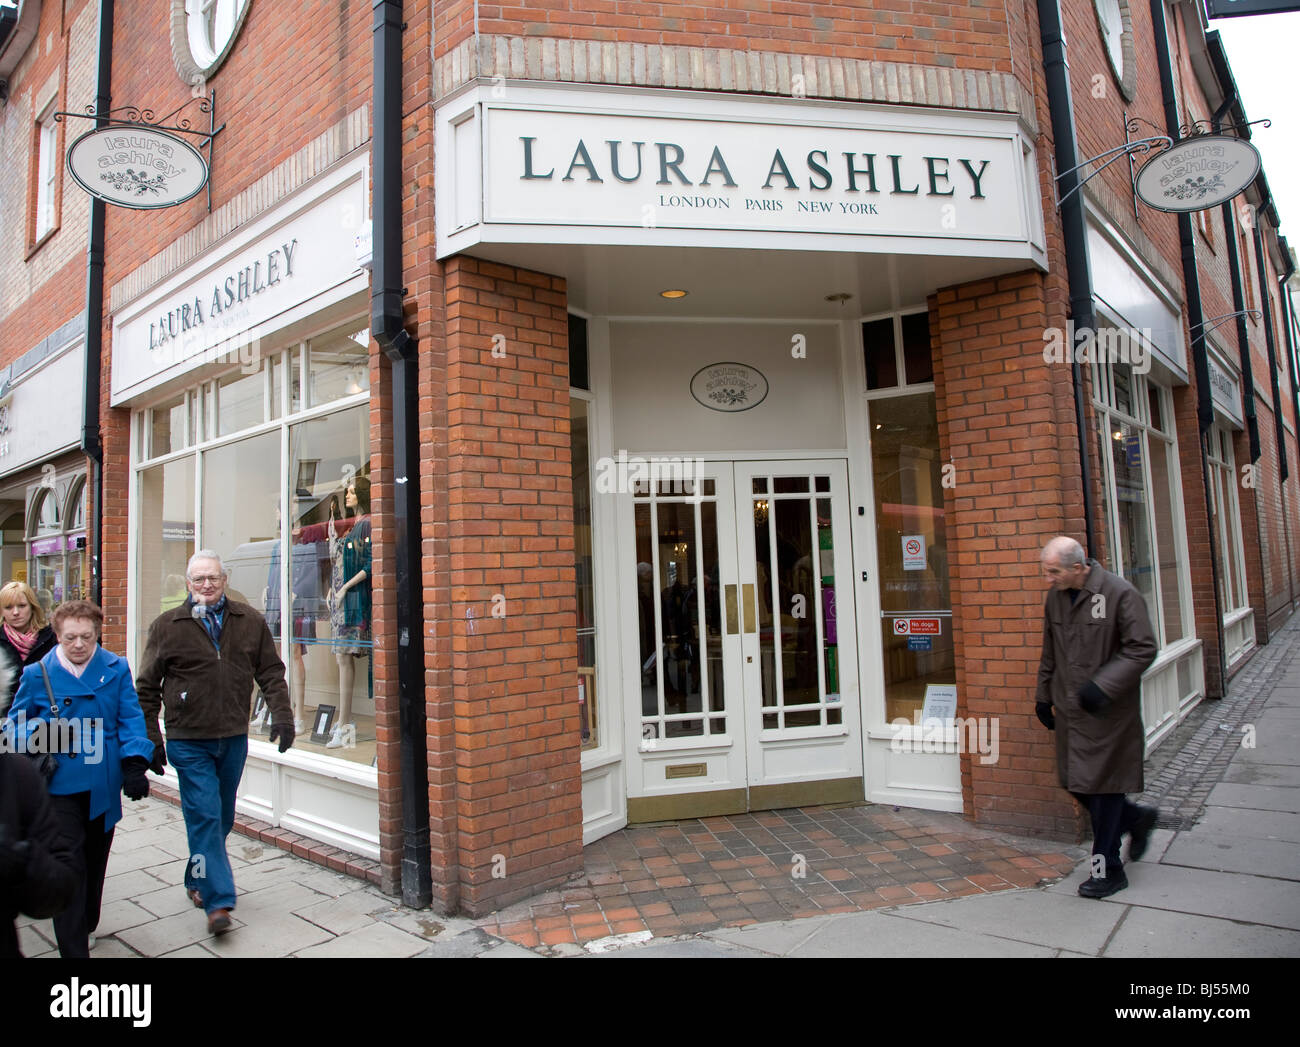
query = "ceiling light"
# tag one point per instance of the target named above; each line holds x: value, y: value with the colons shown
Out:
x: 673, y: 293
x: 840, y: 297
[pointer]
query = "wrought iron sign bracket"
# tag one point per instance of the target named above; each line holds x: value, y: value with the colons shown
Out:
x: 1206, y: 326
x: 134, y: 116
x: 1140, y: 145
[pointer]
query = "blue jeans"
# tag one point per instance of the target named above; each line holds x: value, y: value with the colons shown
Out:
x: 209, y: 770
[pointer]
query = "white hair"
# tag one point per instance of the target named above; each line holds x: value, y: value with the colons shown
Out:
x: 205, y: 554
x: 1065, y: 551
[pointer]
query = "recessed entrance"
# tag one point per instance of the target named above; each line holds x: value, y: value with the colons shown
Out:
x: 742, y: 690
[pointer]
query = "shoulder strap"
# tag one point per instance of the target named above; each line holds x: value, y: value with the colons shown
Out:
x: 49, y: 691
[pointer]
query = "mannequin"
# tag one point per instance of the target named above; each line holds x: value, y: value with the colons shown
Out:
x: 304, y: 592
x: 349, y: 599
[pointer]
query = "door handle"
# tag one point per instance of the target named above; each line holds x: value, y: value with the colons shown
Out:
x: 750, y: 600
x: 731, y: 610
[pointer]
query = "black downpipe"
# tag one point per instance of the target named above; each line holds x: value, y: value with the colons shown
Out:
x: 1079, y: 274
x: 1266, y: 304
x: 1196, y: 318
x: 388, y: 329
x: 92, y: 445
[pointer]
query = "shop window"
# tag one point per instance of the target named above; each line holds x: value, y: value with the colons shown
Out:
x: 253, y: 502
x: 1142, y: 493
x: 912, y: 552
x: 47, y: 172
x: 338, y: 366
x: 897, y: 346
x: 579, y: 443
x: 1227, y: 521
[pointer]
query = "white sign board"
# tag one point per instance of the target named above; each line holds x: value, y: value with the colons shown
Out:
x: 913, y: 552
x: 940, y: 702
x: 217, y: 308
x: 42, y: 414
x: 604, y: 167
x: 138, y: 167
x: 1198, y: 173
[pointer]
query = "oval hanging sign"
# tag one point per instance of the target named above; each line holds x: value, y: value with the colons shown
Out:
x: 1198, y: 173
x: 137, y: 167
x: 729, y: 387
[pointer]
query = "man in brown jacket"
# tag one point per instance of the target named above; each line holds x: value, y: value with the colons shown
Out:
x: 1097, y: 642
x: 199, y: 666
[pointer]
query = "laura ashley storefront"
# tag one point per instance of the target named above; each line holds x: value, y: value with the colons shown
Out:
x: 247, y: 375
x: 758, y: 482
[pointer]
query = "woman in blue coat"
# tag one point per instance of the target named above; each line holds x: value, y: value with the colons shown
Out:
x: 102, y: 749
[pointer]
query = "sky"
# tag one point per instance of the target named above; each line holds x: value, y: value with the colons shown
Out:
x: 1262, y: 51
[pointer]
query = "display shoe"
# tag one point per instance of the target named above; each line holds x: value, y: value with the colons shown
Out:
x: 1103, y: 887
x: 218, y: 922
x: 1140, y: 834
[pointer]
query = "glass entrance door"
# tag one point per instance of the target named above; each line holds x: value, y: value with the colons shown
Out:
x: 743, y: 684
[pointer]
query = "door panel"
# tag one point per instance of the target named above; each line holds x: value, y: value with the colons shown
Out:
x: 742, y: 660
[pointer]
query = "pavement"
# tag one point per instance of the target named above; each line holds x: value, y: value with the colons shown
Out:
x: 1221, y: 877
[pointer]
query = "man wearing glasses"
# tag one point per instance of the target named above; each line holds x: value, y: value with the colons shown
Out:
x: 200, y: 663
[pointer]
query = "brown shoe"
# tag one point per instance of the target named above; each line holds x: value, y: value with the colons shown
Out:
x: 218, y: 922
x: 195, y: 897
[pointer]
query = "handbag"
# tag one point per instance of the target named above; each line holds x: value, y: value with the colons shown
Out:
x: 47, y: 763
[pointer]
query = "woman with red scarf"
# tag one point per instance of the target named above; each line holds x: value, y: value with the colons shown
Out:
x: 25, y: 637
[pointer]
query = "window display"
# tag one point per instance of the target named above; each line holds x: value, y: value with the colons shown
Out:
x: 301, y: 485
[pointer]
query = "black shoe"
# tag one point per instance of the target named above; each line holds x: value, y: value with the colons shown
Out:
x: 219, y: 922
x: 1099, y: 887
x: 1140, y: 834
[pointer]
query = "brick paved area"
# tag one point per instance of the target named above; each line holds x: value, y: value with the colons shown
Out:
x: 707, y: 873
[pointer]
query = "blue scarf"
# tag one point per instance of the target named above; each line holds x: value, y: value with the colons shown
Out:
x: 210, y: 617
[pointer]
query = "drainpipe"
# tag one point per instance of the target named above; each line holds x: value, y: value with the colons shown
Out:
x: 1196, y: 318
x: 1074, y: 229
x: 388, y: 329
x: 1288, y: 322
x: 92, y: 445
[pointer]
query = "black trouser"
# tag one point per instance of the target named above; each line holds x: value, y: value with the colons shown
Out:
x: 89, y: 844
x: 1112, y: 816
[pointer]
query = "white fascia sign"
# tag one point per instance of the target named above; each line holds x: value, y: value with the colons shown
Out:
x: 296, y: 259
x: 633, y: 166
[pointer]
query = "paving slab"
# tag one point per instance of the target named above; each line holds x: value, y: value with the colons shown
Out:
x: 281, y: 934
x: 112, y: 949
x: 424, y: 924
x: 1241, y: 854
x: 167, y: 934
x: 691, y: 948
x: 35, y: 939
x: 778, y: 937
x: 883, y: 935
x: 165, y: 837
x: 1242, y: 772
x: 351, y: 912
x: 379, y: 939
x: 273, y: 900
x: 118, y: 915
x: 1230, y: 896
x: 1261, y: 825
x: 148, y: 857
x: 195, y: 952
x: 1156, y: 932
x: 1255, y: 797
x: 168, y: 901
x: 129, y: 885
x: 508, y: 951
x: 473, y: 942
x: 331, y: 884
x: 268, y: 874
x: 1035, y: 916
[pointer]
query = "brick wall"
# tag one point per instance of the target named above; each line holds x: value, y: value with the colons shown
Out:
x: 511, y: 613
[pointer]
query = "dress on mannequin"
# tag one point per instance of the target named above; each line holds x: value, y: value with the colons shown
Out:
x: 304, y: 586
x: 349, y: 615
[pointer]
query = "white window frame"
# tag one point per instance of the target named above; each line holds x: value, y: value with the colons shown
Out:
x: 47, y: 172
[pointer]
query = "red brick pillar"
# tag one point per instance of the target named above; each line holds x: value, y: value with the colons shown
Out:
x: 1006, y: 423
x: 511, y: 616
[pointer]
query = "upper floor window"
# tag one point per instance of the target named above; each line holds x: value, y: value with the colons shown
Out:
x: 203, y: 32
x: 47, y: 171
x: 1116, y: 26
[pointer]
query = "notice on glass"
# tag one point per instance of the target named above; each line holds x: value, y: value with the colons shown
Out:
x: 940, y: 702
x: 913, y: 552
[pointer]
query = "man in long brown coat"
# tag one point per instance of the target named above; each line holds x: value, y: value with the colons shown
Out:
x: 1097, y: 642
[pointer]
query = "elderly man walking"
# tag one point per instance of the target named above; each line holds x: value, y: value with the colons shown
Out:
x: 199, y: 666
x: 1097, y: 642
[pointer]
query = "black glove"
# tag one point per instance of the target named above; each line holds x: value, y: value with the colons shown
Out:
x: 1093, y: 699
x: 283, y: 731
x: 13, y: 859
x: 159, y: 759
x: 1045, y: 717
x: 135, y: 786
